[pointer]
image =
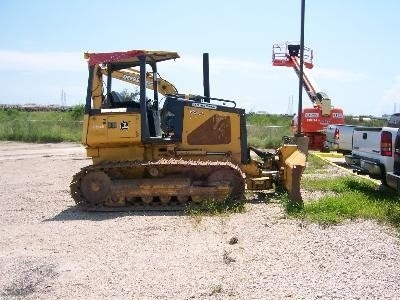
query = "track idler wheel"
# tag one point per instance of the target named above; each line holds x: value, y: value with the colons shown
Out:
x: 96, y: 187
x: 147, y: 199
x: 182, y: 199
x: 165, y: 199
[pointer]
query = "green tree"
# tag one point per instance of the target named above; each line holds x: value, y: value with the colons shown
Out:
x: 129, y: 96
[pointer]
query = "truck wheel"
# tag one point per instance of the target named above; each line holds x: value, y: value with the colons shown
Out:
x: 383, y: 179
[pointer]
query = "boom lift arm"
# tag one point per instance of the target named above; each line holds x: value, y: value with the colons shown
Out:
x: 289, y: 57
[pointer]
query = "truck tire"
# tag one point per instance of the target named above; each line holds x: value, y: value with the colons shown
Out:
x: 383, y: 172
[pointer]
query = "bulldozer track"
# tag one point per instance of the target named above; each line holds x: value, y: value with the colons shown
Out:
x: 163, y: 185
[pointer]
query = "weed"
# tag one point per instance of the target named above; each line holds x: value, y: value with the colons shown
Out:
x: 290, y: 207
x: 216, y: 289
x: 77, y: 112
x: 212, y: 207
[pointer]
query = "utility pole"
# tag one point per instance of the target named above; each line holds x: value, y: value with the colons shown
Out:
x: 300, y: 106
x: 301, y: 140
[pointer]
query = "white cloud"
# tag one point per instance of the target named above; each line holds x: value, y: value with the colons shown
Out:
x: 241, y: 72
x: 340, y: 75
x: 48, y: 61
x: 74, y: 61
x: 264, y: 69
x: 221, y: 64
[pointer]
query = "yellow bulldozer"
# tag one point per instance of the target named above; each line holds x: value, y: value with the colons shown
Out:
x: 189, y: 150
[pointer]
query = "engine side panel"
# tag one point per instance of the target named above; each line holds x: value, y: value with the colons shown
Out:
x: 112, y: 129
x: 212, y: 130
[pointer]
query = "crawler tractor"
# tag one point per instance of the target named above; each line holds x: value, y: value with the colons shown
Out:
x: 189, y: 150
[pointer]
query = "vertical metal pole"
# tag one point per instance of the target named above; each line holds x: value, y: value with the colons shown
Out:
x: 88, y: 104
x: 155, y: 86
x: 206, y: 77
x: 300, y: 108
x: 143, y: 100
x: 109, y: 77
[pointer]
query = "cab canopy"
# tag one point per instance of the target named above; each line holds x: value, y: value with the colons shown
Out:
x: 131, y: 57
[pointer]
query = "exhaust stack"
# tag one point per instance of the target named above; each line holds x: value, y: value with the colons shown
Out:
x: 206, y: 77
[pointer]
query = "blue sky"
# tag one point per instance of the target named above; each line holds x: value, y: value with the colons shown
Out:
x: 355, y: 47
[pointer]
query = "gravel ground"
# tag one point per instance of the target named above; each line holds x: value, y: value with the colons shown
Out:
x: 50, y: 250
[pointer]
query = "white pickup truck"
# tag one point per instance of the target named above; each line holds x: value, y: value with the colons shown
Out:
x: 373, y: 149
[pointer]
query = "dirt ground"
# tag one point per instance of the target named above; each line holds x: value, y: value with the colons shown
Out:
x: 51, y: 250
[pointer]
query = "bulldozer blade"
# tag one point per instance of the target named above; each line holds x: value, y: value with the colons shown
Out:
x: 294, y: 163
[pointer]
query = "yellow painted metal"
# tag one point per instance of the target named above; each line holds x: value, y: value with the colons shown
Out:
x: 293, y: 165
x: 208, y: 134
x: 85, y: 128
x: 132, y: 76
x: 194, y: 117
x: 97, y: 88
x: 109, y: 129
x: 92, y: 152
x: 287, y: 150
x: 132, y: 152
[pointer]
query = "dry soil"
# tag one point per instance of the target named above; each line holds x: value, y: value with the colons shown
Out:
x: 51, y: 250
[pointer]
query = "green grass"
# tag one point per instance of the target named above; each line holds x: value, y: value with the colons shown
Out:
x: 266, y: 131
x: 268, y: 119
x: 41, y: 126
x: 349, y: 198
x: 315, y: 165
x: 266, y: 136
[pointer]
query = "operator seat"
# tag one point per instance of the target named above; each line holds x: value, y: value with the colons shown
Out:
x: 115, y: 100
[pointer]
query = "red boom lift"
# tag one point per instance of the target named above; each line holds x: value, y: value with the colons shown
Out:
x: 315, y: 119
